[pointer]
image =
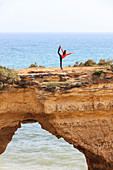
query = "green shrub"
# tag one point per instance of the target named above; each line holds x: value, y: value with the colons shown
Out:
x: 89, y: 62
x: 98, y: 72
x: 8, y: 76
x: 76, y: 64
x: 33, y: 65
x: 81, y: 64
x: 109, y: 62
x: 105, y: 62
x: 102, y: 62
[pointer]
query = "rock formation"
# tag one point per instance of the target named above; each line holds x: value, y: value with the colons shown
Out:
x: 81, y: 114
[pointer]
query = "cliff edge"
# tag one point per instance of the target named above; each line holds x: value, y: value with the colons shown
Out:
x: 75, y: 104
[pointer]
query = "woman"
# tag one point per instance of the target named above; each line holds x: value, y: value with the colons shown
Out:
x: 64, y: 54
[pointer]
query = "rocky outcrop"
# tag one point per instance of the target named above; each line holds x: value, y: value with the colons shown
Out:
x: 82, y: 115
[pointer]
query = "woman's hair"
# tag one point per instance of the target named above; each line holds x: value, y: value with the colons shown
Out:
x: 64, y: 52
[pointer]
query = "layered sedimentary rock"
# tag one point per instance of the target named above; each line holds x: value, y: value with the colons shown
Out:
x: 82, y: 115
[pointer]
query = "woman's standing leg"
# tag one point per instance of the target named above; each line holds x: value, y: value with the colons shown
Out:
x: 60, y: 62
x: 60, y: 57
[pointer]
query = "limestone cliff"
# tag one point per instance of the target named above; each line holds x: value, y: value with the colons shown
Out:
x: 82, y: 115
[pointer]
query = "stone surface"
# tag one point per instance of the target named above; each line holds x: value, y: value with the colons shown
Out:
x: 82, y: 115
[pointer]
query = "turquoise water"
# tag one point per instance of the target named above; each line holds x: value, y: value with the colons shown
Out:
x: 33, y: 148
x: 19, y: 50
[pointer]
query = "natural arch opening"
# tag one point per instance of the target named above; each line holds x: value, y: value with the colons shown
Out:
x: 35, y: 148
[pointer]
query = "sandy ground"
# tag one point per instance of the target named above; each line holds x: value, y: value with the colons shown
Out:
x: 57, y: 69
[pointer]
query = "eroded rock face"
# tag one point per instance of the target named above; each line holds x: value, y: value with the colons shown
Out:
x: 82, y: 116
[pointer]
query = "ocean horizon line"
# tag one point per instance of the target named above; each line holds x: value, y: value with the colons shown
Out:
x: 77, y: 32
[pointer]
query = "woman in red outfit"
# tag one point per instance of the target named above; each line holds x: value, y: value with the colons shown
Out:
x: 64, y: 54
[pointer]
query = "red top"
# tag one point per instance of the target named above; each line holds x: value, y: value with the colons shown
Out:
x: 63, y: 56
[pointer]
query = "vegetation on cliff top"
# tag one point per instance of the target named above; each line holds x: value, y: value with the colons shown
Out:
x: 35, y: 65
x: 102, y: 62
x: 8, y: 77
x: 90, y: 62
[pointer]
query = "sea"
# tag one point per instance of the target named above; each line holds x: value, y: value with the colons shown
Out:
x: 33, y: 148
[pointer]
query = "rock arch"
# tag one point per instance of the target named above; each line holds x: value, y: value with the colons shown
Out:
x: 72, y: 115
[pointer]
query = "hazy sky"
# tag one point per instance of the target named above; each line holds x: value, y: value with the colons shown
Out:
x: 56, y: 15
